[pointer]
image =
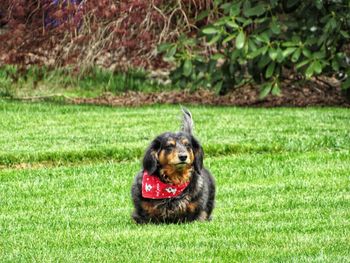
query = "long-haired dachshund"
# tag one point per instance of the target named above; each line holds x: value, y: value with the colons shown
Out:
x: 173, y: 186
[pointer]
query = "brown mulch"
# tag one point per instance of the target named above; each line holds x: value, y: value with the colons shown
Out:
x: 309, y: 94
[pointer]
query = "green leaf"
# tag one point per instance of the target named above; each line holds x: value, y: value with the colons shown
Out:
x: 217, y: 56
x: 217, y: 2
x: 176, y: 74
x: 317, y: 67
x: 247, y: 22
x: 163, y: 47
x: 263, y: 61
x: 296, y: 55
x: 301, y: 64
x: 289, y: 44
x: 255, y: 53
x: 222, y: 21
x: 344, y: 34
x: 265, y: 90
x: 261, y: 20
x: 280, y: 56
x: 251, y: 44
x: 241, y: 19
x: 210, y: 30
x: 226, y: 7
x: 275, y: 27
x: 276, y: 90
x: 346, y: 84
x: 171, y: 52
x: 235, y: 54
x: 232, y: 24
x: 240, y: 40
x: 256, y: 10
x: 214, y: 39
x: 265, y: 49
x: 331, y: 25
x: 322, y: 39
x: 319, y: 55
x: 335, y: 65
x: 189, y: 42
x: 307, y: 53
x: 309, y: 71
x: 274, y: 3
x: 199, y: 58
x: 235, y: 9
x: 319, y: 4
x: 187, y: 68
x: 229, y: 38
x: 218, y: 86
x: 273, y: 53
x: 291, y: 3
x: 270, y: 69
x: 288, y: 51
x: 263, y: 37
x: 202, y: 15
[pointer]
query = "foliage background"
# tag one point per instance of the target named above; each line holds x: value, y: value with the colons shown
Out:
x: 212, y: 44
x: 264, y: 42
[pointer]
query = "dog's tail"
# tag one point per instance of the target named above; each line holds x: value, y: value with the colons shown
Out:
x: 187, y: 122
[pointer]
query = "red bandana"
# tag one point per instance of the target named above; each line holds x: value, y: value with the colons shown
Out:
x: 153, y: 188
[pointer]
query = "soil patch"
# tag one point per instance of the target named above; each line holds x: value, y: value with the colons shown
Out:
x: 295, y: 95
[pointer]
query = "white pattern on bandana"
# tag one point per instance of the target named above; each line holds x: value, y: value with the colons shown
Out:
x: 171, y: 190
x: 148, y: 187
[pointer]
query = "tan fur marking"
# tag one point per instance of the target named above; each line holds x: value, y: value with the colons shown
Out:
x: 184, y: 141
x: 162, y: 157
x: 165, y: 158
x: 171, y: 142
x: 191, y: 155
x: 149, y: 208
x: 192, y: 207
x: 174, y: 176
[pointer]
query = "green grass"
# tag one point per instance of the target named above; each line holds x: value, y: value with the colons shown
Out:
x: 283, y: 185
x: 44, y: 82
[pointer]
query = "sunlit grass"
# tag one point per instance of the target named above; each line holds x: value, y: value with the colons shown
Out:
x: 283, y: 185
x: 56, y: 133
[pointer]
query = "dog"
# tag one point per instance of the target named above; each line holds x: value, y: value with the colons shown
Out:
x: 173, y: 186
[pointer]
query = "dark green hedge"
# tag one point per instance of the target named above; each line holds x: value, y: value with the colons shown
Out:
x: 263, y: 42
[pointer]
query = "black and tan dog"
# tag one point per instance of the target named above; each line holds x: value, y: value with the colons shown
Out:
x: 173, y: 186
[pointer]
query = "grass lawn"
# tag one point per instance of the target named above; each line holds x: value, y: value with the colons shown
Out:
x: 283, y: 184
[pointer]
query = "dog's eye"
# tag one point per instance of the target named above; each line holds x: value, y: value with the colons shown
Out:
x: 169, y: 147
x: 187, y: 145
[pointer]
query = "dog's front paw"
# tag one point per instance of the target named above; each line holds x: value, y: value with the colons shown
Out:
x: 138, y: 219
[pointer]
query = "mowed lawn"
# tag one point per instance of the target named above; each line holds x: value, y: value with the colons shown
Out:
x: 283, y: 184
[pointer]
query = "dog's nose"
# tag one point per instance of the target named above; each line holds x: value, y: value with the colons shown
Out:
x: 183, y: 157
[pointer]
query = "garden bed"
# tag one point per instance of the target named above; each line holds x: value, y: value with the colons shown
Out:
x: 309, y: 94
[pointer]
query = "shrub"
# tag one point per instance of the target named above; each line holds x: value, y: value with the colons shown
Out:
x: 89, y: 33
x: 262, y: 42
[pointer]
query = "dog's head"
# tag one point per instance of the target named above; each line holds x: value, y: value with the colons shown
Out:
x: 175, y: 152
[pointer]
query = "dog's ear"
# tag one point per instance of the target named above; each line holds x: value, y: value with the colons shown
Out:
x: 150, y: 160
x: 198, y: 155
